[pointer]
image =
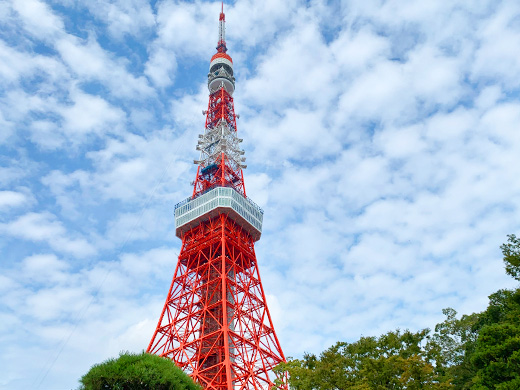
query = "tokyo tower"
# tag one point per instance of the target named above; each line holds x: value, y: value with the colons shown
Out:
x: 215, y: 324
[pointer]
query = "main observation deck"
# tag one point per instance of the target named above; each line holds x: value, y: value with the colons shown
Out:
x: 191, y: 212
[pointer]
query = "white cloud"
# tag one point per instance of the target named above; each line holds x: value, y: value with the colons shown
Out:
x: 12, y: 199
x: 355, y: 51
x: 128, y: 169
x: 298, y: 135
x: 499, y: 38
x: 245, y: 17
x: 46, y: 268
x: 47, y: 134
x: 73, y: 122
x: 152, y: 263
x: 89, y: 114
x: 439, y: 84
x: 47, y: 304
x: 13, y: 64
x: 44, y: 227
x: 82, y: 113
x: 161, y: 67
x: 14, y: 172
x: 186, y: 27
x: 89, y: 61
x: 146, y: 224
x: 7, y: 129
x: 18, y: 104
x: 125, y: 175
x: 257, y: 188
x: 93, y: 302
x: 38, y: 19
x: 401, y: 142
x: 293, y: 73
x: 34, y: 226
x: 123, y: 16
x: 488, y: 97
x: 181, y: 28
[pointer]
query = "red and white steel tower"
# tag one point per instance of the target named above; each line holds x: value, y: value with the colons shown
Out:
x: 215, y: 324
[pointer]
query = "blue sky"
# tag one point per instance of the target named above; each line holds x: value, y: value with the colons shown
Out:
x: 382, y: 140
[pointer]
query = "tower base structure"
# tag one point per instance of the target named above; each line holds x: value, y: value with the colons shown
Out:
x: 215, y: 324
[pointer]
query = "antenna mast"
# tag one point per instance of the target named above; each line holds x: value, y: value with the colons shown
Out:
x: 221, y: 46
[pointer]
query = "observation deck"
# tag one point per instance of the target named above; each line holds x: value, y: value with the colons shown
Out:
x: 191, y: 212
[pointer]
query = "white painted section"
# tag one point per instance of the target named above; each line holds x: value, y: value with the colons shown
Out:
x: 191, y: 212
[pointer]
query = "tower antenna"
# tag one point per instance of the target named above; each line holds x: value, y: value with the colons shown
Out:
x: 221, y: 45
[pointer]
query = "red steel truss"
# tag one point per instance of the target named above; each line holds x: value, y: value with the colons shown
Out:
x: 215, y: 323
x: 226, y: 172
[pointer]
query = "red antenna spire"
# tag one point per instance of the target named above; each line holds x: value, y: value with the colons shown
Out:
x: 221, y: 46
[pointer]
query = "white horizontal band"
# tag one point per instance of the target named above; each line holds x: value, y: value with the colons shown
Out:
x: 221, y: 61
x: 191, y: 212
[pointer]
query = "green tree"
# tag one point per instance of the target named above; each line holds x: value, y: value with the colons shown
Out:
x: 497, y: 353
x: 395, y: 360
x: 452, y: 345
x: 137, y: 371
x: 511, y: 252
x: 496, y: 357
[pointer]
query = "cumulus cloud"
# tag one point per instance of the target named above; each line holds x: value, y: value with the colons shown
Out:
x: 123, y: 17
x: 68, y: 303
x: 38, y: 18
x: 89, y: 114
x: 46, y: 268
x: 91, y: 62
x: 499, y: 39
x: 11, y: 199
x: 161, y: 67
x: 131, y: 170
x: 46, y: 228
x: 181, y: 28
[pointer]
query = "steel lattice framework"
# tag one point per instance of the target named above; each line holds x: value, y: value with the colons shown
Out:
x: 215, y: 323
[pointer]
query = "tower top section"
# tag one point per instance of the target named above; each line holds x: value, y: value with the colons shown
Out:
x: 221, y: 65
x: 221, y: 158
x: 221, y: 45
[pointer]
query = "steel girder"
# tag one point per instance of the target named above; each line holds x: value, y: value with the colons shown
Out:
x: 215, y: 323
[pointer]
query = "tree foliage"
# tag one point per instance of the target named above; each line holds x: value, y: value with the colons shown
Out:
x: 497, y: 351
x: 137, y: 371
x: 479, y: 351
x: 451, y: 346
x: 394, y: 360
x: 511, y: 252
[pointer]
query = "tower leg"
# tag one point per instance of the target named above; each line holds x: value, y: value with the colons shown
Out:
x: 215, y: 323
